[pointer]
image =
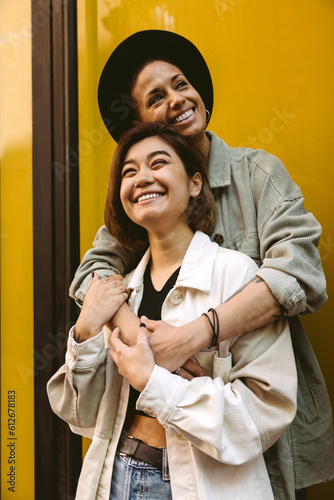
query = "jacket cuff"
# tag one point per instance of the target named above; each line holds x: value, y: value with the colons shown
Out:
x: 80, y: 294
x: 155, y: 400
x: 286, y: 289
x: 87, y: 354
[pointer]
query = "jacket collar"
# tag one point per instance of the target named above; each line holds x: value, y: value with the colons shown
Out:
x: 196, y: 270
x: 219, y: 162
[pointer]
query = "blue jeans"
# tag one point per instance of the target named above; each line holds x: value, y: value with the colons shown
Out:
x: 134, y: 479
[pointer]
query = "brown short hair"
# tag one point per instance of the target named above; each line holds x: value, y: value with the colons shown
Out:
x: 200, y: 211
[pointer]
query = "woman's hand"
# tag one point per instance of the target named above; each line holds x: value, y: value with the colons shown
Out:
x: 102, y: 300
x: 135, y: 363
x: 170, y: 349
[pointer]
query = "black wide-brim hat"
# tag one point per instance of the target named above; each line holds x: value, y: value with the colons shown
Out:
x: 116, y: 107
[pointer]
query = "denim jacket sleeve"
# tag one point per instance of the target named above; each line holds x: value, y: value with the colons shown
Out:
x: 106, y: 257
x: 288, y: 236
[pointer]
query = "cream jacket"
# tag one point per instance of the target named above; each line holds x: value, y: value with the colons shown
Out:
x: 217, y: 426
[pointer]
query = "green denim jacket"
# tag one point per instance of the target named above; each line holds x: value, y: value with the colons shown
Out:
x: 260, y: 212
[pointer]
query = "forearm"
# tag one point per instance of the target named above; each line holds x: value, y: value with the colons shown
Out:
x: 251, y: 307
x: 128, y: 322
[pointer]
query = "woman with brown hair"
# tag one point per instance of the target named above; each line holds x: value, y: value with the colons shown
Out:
x: 213, y: 429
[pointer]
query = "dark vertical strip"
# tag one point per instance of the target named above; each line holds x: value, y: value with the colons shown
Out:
x: 72, y: 234
x: 56, y: 232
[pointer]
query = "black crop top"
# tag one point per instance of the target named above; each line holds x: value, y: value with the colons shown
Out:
x: 150, y: 306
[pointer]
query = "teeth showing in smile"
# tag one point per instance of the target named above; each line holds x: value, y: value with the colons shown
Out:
x: 148, y: 196
x: 184, y: 116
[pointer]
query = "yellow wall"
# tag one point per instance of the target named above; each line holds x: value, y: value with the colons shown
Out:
x: 17, y: 380
x: 272, y: 65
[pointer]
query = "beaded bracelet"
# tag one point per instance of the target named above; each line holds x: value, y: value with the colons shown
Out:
x: 214, y: 324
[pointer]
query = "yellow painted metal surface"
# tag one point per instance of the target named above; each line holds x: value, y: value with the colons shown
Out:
x: 272, y: 65
x: 17, y: 368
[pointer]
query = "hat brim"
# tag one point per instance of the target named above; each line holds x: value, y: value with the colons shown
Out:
x: 116, y: 107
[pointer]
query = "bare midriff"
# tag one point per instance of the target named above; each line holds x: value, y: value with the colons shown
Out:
x: 148, y: 430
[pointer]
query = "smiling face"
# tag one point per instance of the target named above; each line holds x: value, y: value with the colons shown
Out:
x: 155, y: 187
x: 162, y: 93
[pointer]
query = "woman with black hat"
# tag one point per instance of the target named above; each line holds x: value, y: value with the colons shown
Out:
x: 214, y: 428
x: 158, y: 75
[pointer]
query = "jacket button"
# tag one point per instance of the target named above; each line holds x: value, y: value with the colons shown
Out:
x: 218, y: 238
x: 176, y: 297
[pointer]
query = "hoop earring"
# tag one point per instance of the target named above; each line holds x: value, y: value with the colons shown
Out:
x: 208, y: 116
